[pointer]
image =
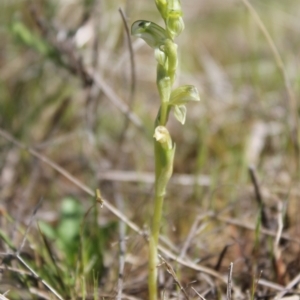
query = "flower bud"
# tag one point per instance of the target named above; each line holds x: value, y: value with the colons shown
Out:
x: 162, y: 135
x: 174, y: 19
x: 174, y: 7
x: 160, y: 56
x: 162, y: 6
x: 175, y: 26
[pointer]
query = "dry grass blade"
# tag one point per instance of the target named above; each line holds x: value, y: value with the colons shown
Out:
x: 29, y: 225
x: 15, y: 270
x: 221, y: 257
x: 272, y: 285
x: 47, y: 285
x: 192, y: 265
x: 145, y: 177
x: 280, y: 266
x: 191, y: 235
x: 174, y: 276
x: 258, y: 195
x: 132, y: 62
x: 122, y: 244
x: 201, y: 297
x: 288, y: 287
x: 40, y: 294
x: 251, y: 227
x: 115, y: 99
x: 34, y: 274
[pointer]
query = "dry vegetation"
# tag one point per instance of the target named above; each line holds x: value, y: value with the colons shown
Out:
x: 67, y: 92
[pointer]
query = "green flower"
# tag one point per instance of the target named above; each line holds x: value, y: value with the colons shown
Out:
x: 181, y: 96
x: 153, y: 34
x: 184, y: 94
x: 175, y: 26
x: 174, y: 19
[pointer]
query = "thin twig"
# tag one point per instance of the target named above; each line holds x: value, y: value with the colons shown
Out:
x: 47, y: 285
x: 201, y: 297
x: 133, y: 78
x: 251, y: 227
x: 222, y: 255
x: 191, y: 264
x: 255, y: 183
x: 2, y: 297
x: 115, y: 99
x: 117, y: 195
x: 40, y: 294
x: 33, y: 273
x: 288, y: 287
x: 132, y: 61
x: 255, y: 284
x: 147, y: 177
x: 122, y: 243
x: 258, y: 195
x: 280, y: 226
x: 187, y: 243
x: 173, y: 274
x: 280, y: 266
x: 272, y: 285
x: 229, y: 282
x: 15, y: 270
x: 191, y: 235
x: 29, y: 225
x: 93, y: 91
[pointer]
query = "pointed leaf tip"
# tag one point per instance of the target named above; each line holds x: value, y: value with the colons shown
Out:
x: 180, y: 113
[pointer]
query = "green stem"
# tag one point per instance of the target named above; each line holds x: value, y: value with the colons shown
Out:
x: 160, y: 188
x: 163, y: 171
x: 163, y: 114
x: 163, y: 160
x: 153, y: 244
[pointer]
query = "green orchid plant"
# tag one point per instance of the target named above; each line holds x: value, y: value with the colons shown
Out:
x: 175, y: 100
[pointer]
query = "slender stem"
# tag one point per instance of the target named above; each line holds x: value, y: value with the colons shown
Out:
x: 158, y: 205
x: 152, y: 269
x: 153, y: 245
x: 163, y: 170
x: 163, y: 113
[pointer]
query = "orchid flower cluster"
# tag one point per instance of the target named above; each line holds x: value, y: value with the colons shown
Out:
x: 165, y: 50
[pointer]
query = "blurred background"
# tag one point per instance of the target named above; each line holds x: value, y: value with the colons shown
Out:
x: 71, y: 90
